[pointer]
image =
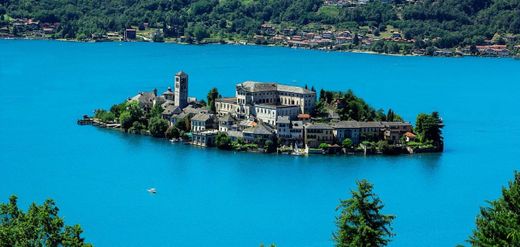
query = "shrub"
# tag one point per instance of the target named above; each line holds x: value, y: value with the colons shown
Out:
x: 157, y: 126
x: 324, y: 146
x: 223, y: 141
x: 172, y: 132
x: 347, y: 143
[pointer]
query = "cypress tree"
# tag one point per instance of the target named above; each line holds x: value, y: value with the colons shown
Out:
x: 361, y: 222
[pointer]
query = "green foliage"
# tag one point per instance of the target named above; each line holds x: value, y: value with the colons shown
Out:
x: 39, y: 226
x: 223, y: 141
x: 271, y: 146
x: 131, y: 113
x: 391, y: 116
x: 184, y: 124
x: 323, y: 146
x: 432, y: 23
x: 104, y: 116
x: 347, y: 143
x: 156, y: 111
x: 172, y: 132
x: 212, y: 96
x: 137, y: 128
x: 429, y: 128
x: 499, y: 223
x: 349, y: 107
x: 157, y: 126
x: 382, y: 145
x: 447, y: 23
x: 361, y: 222
x: 117, y: 109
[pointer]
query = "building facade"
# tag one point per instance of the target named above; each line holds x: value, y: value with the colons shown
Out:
x: 318, y: 133
x: 269, y: 113
x: 251, y: 93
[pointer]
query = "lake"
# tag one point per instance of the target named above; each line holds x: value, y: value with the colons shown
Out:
x: 208, y: 197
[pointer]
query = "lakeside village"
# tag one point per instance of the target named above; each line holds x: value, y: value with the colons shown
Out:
x: 392, y: 41
x: 271, y: 117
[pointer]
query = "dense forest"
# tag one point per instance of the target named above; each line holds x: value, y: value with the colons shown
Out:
x: 439, y: 23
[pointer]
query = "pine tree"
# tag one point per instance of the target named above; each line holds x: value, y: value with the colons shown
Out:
x: 499, y: 223
x: 361, y: 222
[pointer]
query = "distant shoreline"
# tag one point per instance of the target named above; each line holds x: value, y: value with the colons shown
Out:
x: 358, y: 51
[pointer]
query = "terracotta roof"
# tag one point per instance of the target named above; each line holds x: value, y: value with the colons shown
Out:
x: 410, y: 134
x: 304, y: 116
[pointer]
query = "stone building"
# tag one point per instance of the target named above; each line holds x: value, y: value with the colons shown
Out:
x: 181, y: 89
x: 202, y: 122
x: 268, y: 113
x: 252, y: 93
x: 347, y: 129
x: 318, y: 133
x: 267, y: 101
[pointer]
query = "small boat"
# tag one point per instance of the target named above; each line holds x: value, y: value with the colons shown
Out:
x: 297, y: 151
x: 152, y: 190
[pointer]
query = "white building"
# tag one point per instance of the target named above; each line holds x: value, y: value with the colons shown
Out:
x: 251, y: 93
x: 269, y: 113
x: 267, y: 101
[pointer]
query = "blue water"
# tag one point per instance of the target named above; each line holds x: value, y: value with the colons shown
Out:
x: 208, y: 197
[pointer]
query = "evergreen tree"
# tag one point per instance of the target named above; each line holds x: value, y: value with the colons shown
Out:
x: 499, y: 223
x: 40, y: 226
x: 322, y: 95
x: 361, y: 222
x: 390, y: 115
x: 212, y: 96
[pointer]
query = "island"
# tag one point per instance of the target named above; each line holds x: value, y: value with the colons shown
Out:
x: 273, y: 118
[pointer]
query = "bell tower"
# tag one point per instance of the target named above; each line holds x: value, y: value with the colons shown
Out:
x: 181, y: 89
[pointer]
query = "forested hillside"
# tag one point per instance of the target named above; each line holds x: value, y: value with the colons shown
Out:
x: 439, y: 23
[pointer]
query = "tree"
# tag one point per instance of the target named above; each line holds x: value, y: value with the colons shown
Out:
x: 184, y: 124
x: 390, y: 115
x: 499, y: 223
x: 361, y: 222
x: 271, y: 146
x: 104, y: 116
x: 40, y: 226
x: 200, y: 32
x: 212, y: 96
x: 347, y: 143
x: 223, y: 141
x: 157, y: 126
x: 429, y: 128
x: 172, y: 132
x: 131, y: 113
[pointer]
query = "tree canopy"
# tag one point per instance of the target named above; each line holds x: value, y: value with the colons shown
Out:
x: 429, y: 128
x: 158, y: 126
x: 361, y: 222
x: 440, y: 23
x: 39, y: 226
x: 499, y: 223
